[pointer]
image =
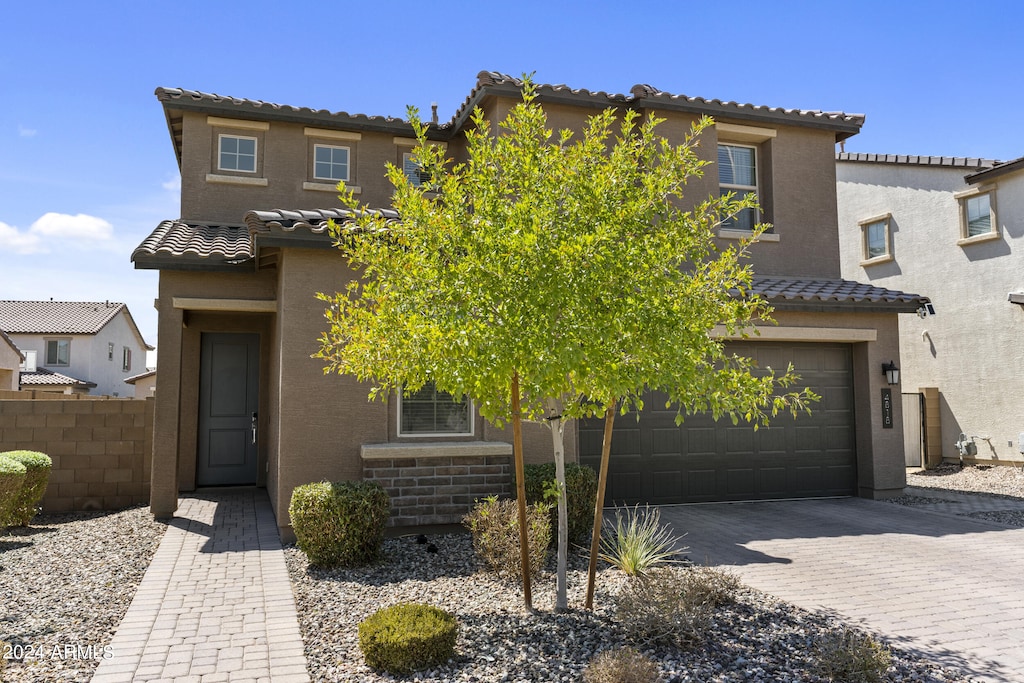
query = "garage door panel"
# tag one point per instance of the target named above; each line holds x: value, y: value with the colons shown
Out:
x: 704, y: 460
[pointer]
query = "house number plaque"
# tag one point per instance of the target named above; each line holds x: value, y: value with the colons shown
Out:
x: 887, y: 408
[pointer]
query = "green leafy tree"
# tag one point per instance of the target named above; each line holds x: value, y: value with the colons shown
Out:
x: 552, y: 276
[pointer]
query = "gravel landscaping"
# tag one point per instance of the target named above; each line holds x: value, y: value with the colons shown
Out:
x: 758, y: 638
x: 65, y: 583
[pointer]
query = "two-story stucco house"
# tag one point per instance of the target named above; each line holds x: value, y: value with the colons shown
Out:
x: 951, y: 227
x: 239, y: 321
x: 75, y: 346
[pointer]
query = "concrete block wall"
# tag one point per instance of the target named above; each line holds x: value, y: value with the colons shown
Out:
x: 101, y: 449
x: 438, y: 489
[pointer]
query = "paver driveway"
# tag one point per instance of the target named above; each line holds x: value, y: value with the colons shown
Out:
x: 944, y: 586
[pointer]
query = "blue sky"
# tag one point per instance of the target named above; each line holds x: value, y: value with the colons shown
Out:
x: 86, y: 164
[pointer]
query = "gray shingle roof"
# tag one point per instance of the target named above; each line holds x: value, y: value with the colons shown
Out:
x: 915, y: 160
x: 57, y: 317
x: 811, y: 292
x: 43, y: 377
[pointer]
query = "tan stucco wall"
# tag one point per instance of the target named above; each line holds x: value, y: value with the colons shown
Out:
x: 9, y: 362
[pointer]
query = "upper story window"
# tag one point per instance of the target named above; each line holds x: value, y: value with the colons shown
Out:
x: 737, y: 173
x: 330, y: 162
x: 429, y: 412
x: 876, y: 240
x: 236, y: 153
x: 110, y: 350
x: 412, y: 169
x: 126, y: 359
x: 58, y: 352
x: 977, y: 215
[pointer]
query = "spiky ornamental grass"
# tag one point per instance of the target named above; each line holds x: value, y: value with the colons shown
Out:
x: 637, y: 541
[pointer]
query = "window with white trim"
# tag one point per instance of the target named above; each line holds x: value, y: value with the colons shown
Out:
x: 331, y: 162
x: 429, y: 412
x: 236, y: 153
x: 737, y: 173
x: 58, y: 352
x: 977, y: 215
x: 876, y: 239
x: 126, y: 360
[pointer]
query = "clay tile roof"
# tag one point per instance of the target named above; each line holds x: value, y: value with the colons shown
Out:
x: 967, y: 163
x: 43, y: 377
x: 10, y: 342
x: 181, y: 242
x: 810, y: 292
x: 1000, y: 168
x: 312, y: 220
x: 742, y: 110
x: 57, y: 317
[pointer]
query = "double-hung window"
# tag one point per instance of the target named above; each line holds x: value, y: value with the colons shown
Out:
x: 429, y: 412
x: 58, y: 352
x: 978, y: 215
x: 737, y: 173
x: 330, y: 163
x: 237, y: 153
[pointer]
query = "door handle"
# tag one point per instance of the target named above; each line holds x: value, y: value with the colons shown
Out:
x: 254, y: 428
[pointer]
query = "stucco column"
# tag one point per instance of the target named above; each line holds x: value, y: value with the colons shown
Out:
x: 163, y: 496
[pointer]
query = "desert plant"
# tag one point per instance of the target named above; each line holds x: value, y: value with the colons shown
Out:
x: 621, y: 665
x: 37, y: 474
x: 636, y: 541
x: 672, y: 605
x: 580, y: 494
x: 12, y: 476
x: 847, y: 655
x: 408, y: 637
x: 339, y: 523
x: 494, y: 524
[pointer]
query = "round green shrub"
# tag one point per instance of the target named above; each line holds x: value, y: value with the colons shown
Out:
x: 494, y: 524
x: 580, y: 497
x: 339, y: 523
x: 408, y: 637
x: 12, y: 476
x: 37, y: 474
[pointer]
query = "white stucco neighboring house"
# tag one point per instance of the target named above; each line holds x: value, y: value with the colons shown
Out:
x: 75, y: 346
x: 11, y: 359
x: 952, y: 228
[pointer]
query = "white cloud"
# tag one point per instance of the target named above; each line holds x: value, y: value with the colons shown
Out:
x: 26, y: 132
x: 172, y: 185
x: 80, y: 227
x: 19, y: 243
x: 53, y: 228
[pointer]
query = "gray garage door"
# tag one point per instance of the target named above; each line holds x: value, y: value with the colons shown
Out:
x: 655, y: 461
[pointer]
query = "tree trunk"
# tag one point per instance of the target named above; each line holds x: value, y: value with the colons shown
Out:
x: 517, y: 453
x: 557, y: 426
x: 602, y: 480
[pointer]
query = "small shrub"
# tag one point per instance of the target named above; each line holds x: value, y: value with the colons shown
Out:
x: 851, y: 656
x: 636, y: 541
x: 672, y: 605
x: 408, y: 637
x: 12, y: 476
x: 495, y: 527
x: 580, y: 497
x: 37, y: 474
x: 621, y: 665
x: 339, y: 523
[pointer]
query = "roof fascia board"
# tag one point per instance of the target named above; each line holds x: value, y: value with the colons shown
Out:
x: 723, y: 113
x: 844, y: 307
x: 177, y: 263
x: 994, y: 172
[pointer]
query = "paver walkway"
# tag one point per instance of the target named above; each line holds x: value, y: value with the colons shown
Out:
x: 943, y: 586
x: 215, y: 603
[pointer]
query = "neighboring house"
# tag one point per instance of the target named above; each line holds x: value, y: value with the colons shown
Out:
x: 953, y: 227
x: 144, y: 383
x: 75, y: 346
x: 239, y: 319
x: 11, y: 359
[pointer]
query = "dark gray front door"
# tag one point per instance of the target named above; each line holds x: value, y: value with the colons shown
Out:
x: 655, y: 461
x: 228, y: 400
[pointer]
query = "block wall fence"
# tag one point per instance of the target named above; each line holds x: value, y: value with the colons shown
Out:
x: 101, y: 448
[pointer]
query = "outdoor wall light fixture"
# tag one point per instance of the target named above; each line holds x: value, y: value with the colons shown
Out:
x: 891, y: 372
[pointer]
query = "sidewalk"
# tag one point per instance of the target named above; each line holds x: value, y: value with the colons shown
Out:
x: 215, y: 603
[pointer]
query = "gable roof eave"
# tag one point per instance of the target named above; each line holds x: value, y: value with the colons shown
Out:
x: 1000, y: 169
